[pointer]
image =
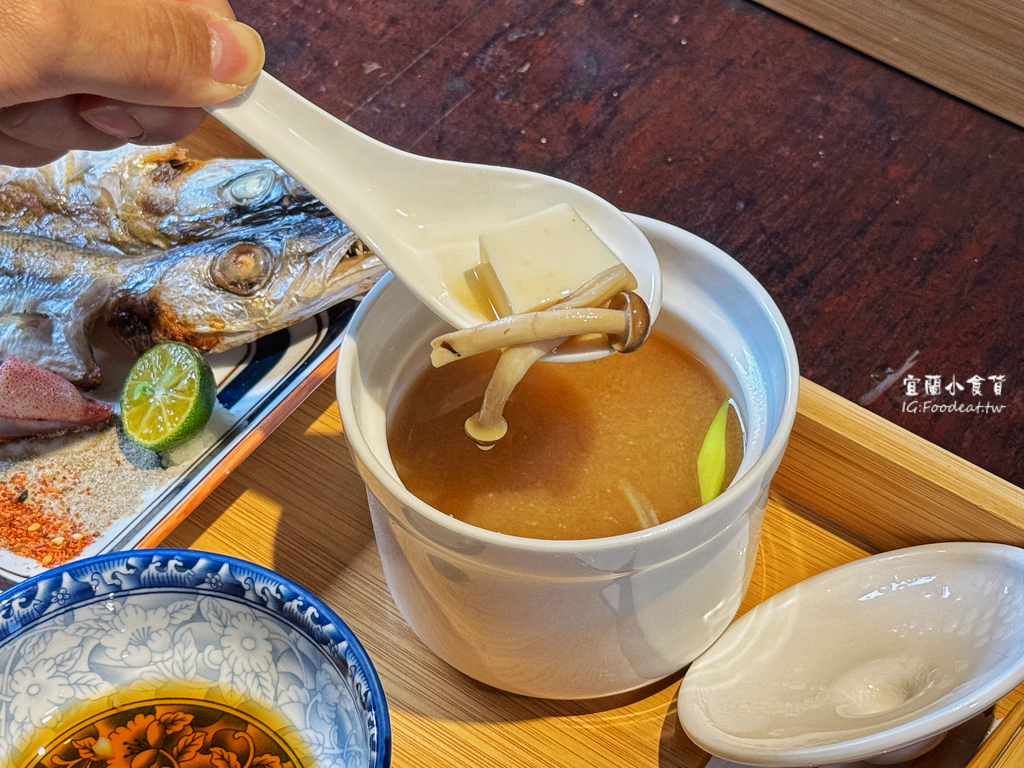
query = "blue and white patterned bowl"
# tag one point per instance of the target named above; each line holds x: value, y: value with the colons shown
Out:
x: 175, y: 657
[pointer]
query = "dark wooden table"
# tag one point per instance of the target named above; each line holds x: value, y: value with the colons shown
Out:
x: 885, y: 216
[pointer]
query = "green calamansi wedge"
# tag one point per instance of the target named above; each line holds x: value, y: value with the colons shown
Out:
x: 168, y: 396
x: 711, y: 459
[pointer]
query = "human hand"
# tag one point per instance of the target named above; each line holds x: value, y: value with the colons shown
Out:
x: 98, y: 74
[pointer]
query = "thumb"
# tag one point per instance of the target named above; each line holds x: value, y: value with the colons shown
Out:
x: 157, y: 52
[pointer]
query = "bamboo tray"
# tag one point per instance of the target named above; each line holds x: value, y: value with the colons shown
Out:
x: 850, y: 484
x: 969, y: 48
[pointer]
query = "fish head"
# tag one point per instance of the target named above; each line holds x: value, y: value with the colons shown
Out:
x: 167, y: 197
x: 230, y: 290
x: 249, y: 192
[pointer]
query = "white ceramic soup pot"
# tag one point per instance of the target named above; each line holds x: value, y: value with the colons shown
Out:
x: 582, y: 618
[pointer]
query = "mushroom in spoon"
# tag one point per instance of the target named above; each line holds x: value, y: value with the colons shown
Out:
x: 626, y: 317
x: 626, y: 322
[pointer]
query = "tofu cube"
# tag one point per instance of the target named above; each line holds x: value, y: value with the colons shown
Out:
x: 540, y: 259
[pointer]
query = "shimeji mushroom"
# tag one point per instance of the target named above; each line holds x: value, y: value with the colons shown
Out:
x: 526, y: 338
x: 488, y: 426
x: 626, y: 321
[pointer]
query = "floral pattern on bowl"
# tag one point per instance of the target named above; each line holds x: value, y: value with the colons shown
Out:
x: 207, y: 631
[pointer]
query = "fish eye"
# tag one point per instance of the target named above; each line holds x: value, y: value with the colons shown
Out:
x: 242, y: 269
x: 251, y: 187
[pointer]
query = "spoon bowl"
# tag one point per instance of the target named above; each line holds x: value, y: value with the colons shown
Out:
x: 422, y: 216
x: 873, y: 660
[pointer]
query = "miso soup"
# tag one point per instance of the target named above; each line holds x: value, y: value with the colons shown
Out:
x: 593, y: 449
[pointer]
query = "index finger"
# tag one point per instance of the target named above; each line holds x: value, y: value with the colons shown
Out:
x: 183, y: 53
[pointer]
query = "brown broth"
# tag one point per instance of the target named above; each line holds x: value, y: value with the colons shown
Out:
x: 582, y: 438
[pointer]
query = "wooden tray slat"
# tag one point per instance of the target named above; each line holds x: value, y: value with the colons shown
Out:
x: 885, y: 488
x: 969, y: 48
x: 297, y: 505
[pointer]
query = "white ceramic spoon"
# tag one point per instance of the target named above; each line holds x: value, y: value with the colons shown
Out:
x: 422, y: 216
x: 873, y: 660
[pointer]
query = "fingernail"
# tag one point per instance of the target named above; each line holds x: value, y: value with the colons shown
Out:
x: 113, y: 120
x: 236, y: 52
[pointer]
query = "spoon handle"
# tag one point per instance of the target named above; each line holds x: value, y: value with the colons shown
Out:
x: 422, y: 216
x: 342, y: 167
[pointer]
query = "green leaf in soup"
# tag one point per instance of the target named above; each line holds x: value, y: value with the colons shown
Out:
x: 711, y: 459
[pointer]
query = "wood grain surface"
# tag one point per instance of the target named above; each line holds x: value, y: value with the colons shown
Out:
x: 887, y: 488
x: 1005, y: 747
x: 298, y: 506
x: 970, y: 48
x: 884, y: 215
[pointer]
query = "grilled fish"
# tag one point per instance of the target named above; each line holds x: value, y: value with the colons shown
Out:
x: 214, y: 294
x: 133, y: 199
x: 240, y: 252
